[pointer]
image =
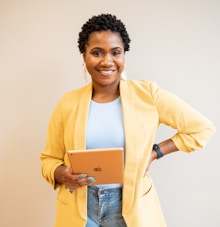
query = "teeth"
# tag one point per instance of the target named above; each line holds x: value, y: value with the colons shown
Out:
x: 106, y: 72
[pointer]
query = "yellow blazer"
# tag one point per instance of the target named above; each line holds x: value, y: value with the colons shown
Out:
x: 144, y: 106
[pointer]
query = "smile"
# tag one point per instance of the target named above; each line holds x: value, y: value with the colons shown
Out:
x: 107, y: 72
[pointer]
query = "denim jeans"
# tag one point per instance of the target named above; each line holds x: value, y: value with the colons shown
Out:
x: 104, y: 207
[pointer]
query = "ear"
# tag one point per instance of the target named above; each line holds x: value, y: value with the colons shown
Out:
x: 84, y: 56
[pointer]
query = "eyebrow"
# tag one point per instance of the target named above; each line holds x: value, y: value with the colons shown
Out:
x: 99, y: 48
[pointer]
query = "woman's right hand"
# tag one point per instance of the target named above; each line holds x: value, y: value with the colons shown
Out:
x: 72, y: 181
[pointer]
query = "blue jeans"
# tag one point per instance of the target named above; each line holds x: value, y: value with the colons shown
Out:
x: 104, y: 207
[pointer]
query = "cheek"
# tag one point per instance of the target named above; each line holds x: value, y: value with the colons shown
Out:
x: 121, y: 64
x: 90, y: 62
x: 121, y: 60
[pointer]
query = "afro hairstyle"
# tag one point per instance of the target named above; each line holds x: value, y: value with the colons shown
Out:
x: 102, y: 22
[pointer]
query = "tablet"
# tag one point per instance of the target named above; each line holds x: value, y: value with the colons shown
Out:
x: 105, y: 165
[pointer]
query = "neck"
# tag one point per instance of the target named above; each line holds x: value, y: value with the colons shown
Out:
x: 105, y: 94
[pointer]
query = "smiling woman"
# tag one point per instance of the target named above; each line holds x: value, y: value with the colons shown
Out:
x: 112, y: 112
x: 104, y: 58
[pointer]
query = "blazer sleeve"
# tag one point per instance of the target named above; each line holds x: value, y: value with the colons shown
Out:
x: 53, y: 154
x: 193, y: 129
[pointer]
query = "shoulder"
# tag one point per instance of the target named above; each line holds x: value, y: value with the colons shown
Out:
x: 75, y: 94
x: 145, y: 86
x: 71, y: 99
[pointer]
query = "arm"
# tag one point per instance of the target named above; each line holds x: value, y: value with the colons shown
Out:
x: 193, y: 129
x: 166, y: 147
x: 53, y: 155
x: 54, y: 158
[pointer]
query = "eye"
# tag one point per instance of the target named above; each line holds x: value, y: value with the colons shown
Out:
x: 97, y: 53
x: 116, y: 52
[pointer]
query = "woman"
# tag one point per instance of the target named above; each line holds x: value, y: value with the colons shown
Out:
x: 123, y: 113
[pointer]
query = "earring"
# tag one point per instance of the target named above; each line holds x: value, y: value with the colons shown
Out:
x: 85, y: 72
x: 123, y: 75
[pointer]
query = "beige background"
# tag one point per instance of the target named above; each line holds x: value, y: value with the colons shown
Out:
x: 174, y: 42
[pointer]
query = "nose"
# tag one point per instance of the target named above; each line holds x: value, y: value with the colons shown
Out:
x: 107, y: 59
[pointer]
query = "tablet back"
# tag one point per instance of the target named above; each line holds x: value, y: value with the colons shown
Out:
x: 105, y: 165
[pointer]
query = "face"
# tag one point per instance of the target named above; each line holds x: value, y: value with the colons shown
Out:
x: 104, y: 57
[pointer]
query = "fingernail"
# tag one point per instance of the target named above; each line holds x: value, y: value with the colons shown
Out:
x: 84, y: 175
x: 91, y: 179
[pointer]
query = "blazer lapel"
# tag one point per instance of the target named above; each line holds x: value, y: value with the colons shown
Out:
x: 82, y: 115
x: 131, y: 141
x: 79, y: 138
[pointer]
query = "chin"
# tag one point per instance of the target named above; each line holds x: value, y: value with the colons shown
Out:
x: 108, y: 81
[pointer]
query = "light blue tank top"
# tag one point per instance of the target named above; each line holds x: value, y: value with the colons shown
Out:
x: 105, y: 128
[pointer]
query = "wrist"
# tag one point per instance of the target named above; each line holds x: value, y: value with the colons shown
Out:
x: 158, y: 151
x: 59, y: 174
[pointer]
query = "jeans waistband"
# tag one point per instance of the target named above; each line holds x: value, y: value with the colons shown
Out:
x: 99, y: 191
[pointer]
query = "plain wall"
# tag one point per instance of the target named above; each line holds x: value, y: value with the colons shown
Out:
x: 174, y: 42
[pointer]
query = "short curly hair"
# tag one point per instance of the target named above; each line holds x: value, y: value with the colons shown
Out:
x: 102, y: 22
